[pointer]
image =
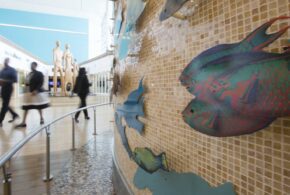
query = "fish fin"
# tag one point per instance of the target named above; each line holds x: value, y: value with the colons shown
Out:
x: 134, y: 123
x: 135, y: 95
x: 259, y: 39
x: 250, y: 95
x: 213, y: 120
x: 245, y: 58
x: 164, y: 164
x: 149, y: 149
x: 141, y: 101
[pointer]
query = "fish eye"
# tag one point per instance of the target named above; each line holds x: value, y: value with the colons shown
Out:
x: 191, y: 110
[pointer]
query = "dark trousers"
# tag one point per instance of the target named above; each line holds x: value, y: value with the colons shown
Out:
x: 6, y: 96
x: 82, y: 104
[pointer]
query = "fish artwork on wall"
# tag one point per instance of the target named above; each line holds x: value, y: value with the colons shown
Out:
x: 148, y: 161
x: 122, y: 131
x: 134, y: 9
x: 238, y: 88
x: 153, y: 171
x: 170, y: 8
x: 174, y: 183
x: 130, y: 110
x: 118, y: 22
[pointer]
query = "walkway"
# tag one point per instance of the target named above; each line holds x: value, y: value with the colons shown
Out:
x: 89, y: 171
x: 92, y: 159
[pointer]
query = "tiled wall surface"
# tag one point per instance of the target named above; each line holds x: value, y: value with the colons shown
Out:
x: 257, y: 164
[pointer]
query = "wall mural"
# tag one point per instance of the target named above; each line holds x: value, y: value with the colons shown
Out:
x: 121, y: 128
x: 170, y: 8
x: 134, y: 9
x: 153, y: 171
x: 130, y: 110
x: 239, y: 88
x: 172, y: 183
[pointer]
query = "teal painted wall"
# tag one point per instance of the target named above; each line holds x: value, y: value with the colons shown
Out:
x: 40, y: 43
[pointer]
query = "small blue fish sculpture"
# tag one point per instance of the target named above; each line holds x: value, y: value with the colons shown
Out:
x: 122, y: 131
x: 132, y: 108
x: 148, y: 161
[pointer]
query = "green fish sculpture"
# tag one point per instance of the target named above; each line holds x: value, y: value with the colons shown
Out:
x: 148, y: 161
x: 238, y: 88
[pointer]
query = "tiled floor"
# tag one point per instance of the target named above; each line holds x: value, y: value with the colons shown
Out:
x: 61, y: 132
x: 89, y: 171
x: 90, y: 164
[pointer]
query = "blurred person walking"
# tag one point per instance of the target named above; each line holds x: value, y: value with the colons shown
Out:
x: 8, y: 76
x: 35, y: 98
x: 81, y: 88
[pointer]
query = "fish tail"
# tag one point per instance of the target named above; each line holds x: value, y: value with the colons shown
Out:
x: 164, y: 164
x: 259, y: 39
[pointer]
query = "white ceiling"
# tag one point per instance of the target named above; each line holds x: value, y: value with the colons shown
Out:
x: 77, y: 8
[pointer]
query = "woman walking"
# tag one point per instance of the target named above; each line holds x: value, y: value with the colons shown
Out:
x: 81, y: 88
x: 35, y: 98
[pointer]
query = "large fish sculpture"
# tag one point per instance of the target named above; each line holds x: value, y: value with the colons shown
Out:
x: 239, y: 88
x: 170, y: 8
x: 130, y: 110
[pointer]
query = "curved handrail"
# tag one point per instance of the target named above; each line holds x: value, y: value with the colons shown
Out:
x: 8, y: 155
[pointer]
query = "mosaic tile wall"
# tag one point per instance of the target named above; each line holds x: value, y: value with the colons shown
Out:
x: 257, y: 164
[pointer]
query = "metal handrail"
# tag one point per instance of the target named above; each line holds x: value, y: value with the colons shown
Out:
x: 8, y: 155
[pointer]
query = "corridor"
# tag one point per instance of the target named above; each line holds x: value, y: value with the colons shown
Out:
x: 74, y: 171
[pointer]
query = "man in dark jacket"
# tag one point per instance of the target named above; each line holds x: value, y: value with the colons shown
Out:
x: 8, y: 76
x: 81, y: 88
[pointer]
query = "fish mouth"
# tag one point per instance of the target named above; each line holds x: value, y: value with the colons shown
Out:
x: 188, y: 83
x: 163, y: 16
x: 190, y: 88
x: 186, y: 80
x: 166, y: 13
